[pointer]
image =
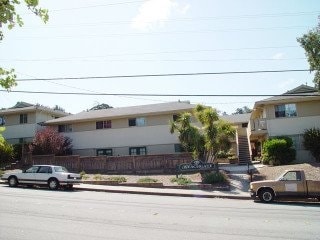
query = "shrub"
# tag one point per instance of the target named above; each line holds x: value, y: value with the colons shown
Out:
x: 278, y: 151
x: 1, y: 172
x: 97, y: 177
x: 147, y: 180
x: 117, y: 179
x: 214, y: 177
x: 82, y: 173
x: 312, y: 142
x: 6, y: 153
x: 181, y: 180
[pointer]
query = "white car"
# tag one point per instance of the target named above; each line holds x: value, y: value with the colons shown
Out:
x: 50, y: 175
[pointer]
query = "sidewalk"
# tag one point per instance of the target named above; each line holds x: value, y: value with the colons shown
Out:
x: 238, y: 177
x: 164, y: 191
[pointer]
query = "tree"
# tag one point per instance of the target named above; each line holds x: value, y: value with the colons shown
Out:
x: 101, y: 106
x: 207, y: 140
x: 49, y: 141
x: 311, y: 44
x: 10, y: 18
x: 242, y: 110
x: 6, y: 149
x: 312, y: 142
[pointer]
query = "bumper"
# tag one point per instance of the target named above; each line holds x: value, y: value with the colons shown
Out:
x: 253, y: 194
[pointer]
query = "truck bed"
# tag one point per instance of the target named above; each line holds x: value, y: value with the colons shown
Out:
x: 313, y: 188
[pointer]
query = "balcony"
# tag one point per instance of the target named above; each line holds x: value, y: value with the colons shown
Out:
x: 258, y: 126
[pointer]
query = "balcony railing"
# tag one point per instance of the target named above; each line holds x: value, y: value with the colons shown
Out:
x: 259, y: 124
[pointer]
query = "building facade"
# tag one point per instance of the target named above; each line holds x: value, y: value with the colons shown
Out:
x: 137, y: 130
x: 287, y: 115
x: 22, y: 121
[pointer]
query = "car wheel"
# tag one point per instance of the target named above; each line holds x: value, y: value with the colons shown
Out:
x: 53, y: 184
x: 266, y: 195
x: 13, y: 181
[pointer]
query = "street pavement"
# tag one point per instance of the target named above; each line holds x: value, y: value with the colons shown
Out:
x: 38, y: 213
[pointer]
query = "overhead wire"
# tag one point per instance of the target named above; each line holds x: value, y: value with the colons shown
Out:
x: 163, y: 75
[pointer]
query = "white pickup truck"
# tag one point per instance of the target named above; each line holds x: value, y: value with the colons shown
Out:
x: 292, y: 184
x: 50, y: 175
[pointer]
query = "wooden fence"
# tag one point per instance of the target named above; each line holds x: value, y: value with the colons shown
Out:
x: 142, y: 164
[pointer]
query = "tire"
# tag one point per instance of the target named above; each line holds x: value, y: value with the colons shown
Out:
x: 266, y: 195
x: 13, y: 181
x: 53, y: 184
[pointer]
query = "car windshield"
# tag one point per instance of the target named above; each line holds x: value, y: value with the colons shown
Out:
x: 60, y: 169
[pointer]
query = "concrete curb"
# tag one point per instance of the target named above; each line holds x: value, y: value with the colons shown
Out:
x: 164, y: 193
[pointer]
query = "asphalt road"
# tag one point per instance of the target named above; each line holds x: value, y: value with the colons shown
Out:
x: 60, y: 215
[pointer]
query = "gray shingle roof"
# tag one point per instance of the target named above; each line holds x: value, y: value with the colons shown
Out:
x: 237, y: 118
x: 123, y: 112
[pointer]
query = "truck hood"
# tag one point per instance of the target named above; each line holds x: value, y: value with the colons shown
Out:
x: 261, y: 183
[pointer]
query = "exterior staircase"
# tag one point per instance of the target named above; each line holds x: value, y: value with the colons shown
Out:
x: 243, y: 146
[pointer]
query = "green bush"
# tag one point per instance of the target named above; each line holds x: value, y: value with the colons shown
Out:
x: 6, y: 153
x: 147, y: 180
x: 312, y: 142
x: 278, y: 151
x: 181, y: 180
x: 1, y: 172
x: 214, y: 177
x: 97, y: 177
x: 117, y: 179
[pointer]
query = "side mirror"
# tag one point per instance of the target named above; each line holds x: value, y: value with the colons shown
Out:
x: 24, y: 171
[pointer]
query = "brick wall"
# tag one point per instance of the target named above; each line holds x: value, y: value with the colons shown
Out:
x: 116, y: 164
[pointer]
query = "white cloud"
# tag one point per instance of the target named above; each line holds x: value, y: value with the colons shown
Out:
x: 155, y: 12
x: 278, y: 56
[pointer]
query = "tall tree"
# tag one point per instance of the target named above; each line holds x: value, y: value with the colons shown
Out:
x: 311, y: 44
x: 242, y: 110
x: 10, y: 18
x: 203, y: 141
x: 101, y: 106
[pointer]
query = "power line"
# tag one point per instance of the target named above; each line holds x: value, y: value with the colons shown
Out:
x: 99, y: 23
x: 208, y: 31
x: 163, y: 75
x: 159, y: 94
x: 154, y: 53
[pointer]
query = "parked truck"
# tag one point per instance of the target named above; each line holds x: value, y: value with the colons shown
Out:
x: 291, y: 184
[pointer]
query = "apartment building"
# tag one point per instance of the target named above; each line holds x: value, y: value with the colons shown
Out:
x: 23, y: 120
x: 287, y: 115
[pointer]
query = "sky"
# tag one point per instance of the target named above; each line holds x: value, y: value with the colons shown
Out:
x: 99, y: 38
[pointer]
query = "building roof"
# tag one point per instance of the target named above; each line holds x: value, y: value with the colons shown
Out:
x: 237, y: 118
x: 122, y: 112
x: 300, y: 93
x: 22, y: 107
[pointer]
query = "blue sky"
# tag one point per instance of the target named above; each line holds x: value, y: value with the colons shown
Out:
x: 107, y: 38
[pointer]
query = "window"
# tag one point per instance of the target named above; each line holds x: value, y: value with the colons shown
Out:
x: 45, y: 169
x: 178, y: 148
x: 104, y: 152
x: 139, y: 122
x: 175, y: 117
x: 292, y: 176
x: 103, y: 124
x: 65, y: 128
x: 33, y: 169
x: 2, y: 121
x: 285, y: 110
x: 138, y: 151
x: 244, y: 125
x: 23, y: 118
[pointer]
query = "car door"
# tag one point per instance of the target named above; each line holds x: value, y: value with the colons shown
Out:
x: 43, y: 174
x: 28, y: 176
x: 291, y: 184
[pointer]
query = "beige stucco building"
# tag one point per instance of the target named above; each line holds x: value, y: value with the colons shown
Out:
x: 136, y: 130
x: 23, y: 121
x: 287, y: 115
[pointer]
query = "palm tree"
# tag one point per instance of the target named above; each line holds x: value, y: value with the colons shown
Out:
x: 208, y: 138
